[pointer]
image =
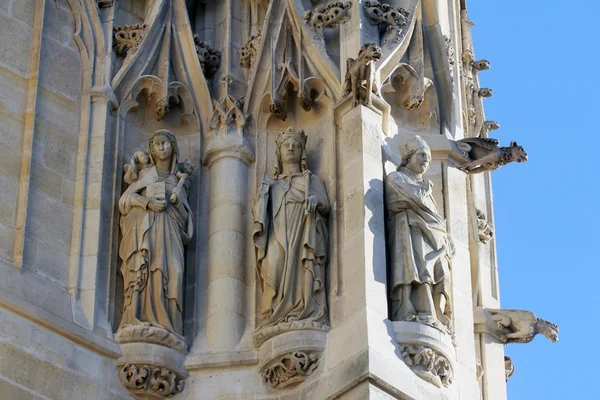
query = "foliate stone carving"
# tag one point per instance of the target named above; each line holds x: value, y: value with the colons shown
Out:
x: 420, y: 247
x: 210, y: 59
x: 521, y: 326
x: 291, y: 369
x: 391, y: 18
x: 361, y: 71
x: 428, y: 364
x: 328, y: 15
x: 487, y: 155
x: 145, y: 380
x: 486, y: 230
x: 128, y: 38
x: 509, y: 367
x: 249, y: 50
x: 450, y: 51
x: 156, y: 223
x: 290, y: 237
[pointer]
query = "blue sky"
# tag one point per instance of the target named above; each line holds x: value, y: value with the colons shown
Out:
x: 545, y: 78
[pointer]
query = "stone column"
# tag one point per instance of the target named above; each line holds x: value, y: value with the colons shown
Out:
x: 227, y: 157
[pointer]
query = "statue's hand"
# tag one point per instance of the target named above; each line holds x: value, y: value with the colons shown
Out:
x: 311, y: 203
x: 157, y: 205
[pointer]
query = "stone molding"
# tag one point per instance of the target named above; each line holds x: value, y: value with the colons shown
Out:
x: 151, y: 334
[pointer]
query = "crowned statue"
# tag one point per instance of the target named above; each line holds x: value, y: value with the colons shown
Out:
x: 290, y: 238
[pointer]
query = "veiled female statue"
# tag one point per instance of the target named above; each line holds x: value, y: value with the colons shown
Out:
x: 156, y: 223
x: 420, y: 248
x: 290, y: 238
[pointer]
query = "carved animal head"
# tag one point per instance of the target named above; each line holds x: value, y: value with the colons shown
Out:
x: 491, y: 126
x: 485, y: 92
x: 548, y: 329
x: 517, y: 152
x: 481, y: 65
x: 371, y: 52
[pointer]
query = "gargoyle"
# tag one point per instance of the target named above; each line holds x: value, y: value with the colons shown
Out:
x: 486, y: 154
x: 484, y: 92
x: 481, y: 65
x: 489, y: 126
x: 520, y: 326
x: 409, y: 85
x: 362, y: 70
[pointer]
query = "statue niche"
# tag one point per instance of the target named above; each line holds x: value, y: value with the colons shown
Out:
x: 156, y: 224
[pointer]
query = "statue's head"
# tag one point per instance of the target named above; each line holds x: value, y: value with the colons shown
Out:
x: 548, y: 329
x: 291, y: 149
x: 416, y: 155
x: 141, y: 158
x: 162, y: 146
x: 518, y: 153
x: 371, y: 52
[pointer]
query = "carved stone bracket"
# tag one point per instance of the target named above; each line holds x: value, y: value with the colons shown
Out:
x: 249, y: 50
x: 290, y: 369
x: 151, y: 334
x: 289, y: 358
x: 150, y: 382
x: 428, y: 364
x: 387, y: 17
x: 210, y: 59
x: 486, y: 230
x: 327, y: 15
x: 427, y: 351
x: 151, y: 371
x: 127, y: 38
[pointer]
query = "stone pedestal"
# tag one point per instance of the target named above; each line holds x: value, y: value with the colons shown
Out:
x: 289, y: 358
x: 151, y: 371
x: 429, y: 352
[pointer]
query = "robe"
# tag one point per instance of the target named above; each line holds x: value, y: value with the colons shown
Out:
x: 291, y: 243
x: 419, y: 245
x: 152, y: 250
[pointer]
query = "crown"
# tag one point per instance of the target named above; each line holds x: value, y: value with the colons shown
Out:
x: 291, y: 133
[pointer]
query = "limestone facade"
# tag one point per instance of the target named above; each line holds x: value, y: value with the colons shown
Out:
x: 197, y: 204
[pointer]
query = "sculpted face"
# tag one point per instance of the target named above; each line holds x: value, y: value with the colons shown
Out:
x: 419, y: 162
x: 142, y: 158
x: 290, y: 151
x: 161, y: 147
x: 518, y: 152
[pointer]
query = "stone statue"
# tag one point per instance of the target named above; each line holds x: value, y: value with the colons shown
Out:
x: 290, y: 236
x: 156, y: 223
x: 420, y: 248
x: 362, y: 70
x: 486, y: 154
x: 520, y: 326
